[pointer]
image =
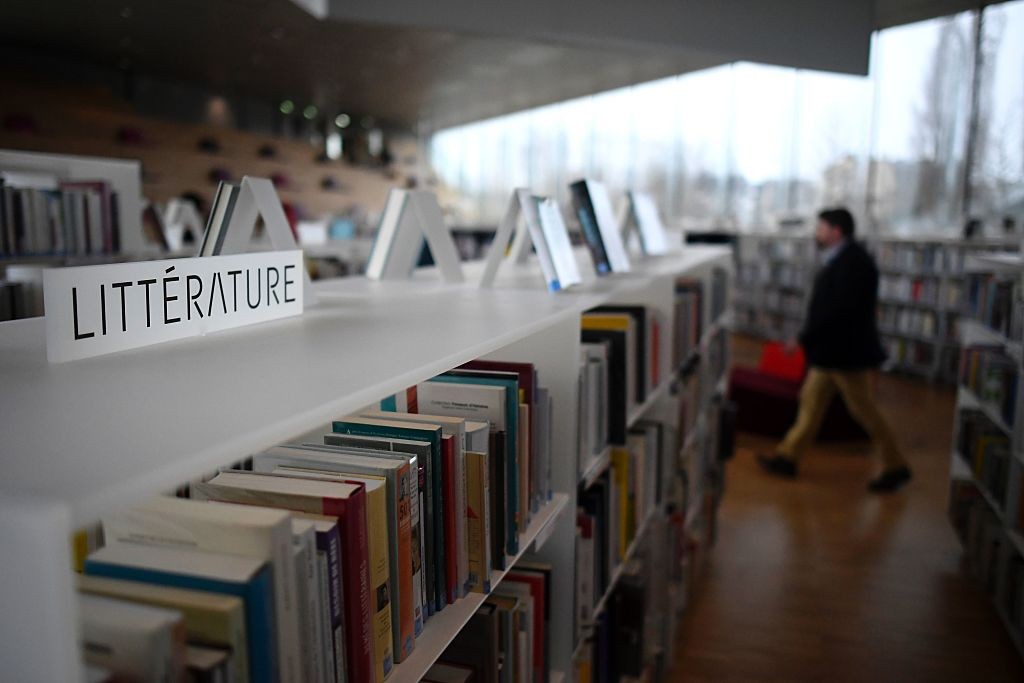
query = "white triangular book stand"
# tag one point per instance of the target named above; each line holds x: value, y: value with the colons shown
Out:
x: 409, y: 217
x: 180, y: 216
x: 639, y: 218
x: 554, y: 251
x: 257, y: 198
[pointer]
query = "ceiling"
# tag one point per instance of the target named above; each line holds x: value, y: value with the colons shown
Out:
x: 402, y: 74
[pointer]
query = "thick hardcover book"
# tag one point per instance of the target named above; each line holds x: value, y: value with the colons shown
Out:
x: 417, y: 454
x: 600, y: 229
x: 261, y: 534
x: 342, y: 463
x: 347, y: 503
x: 431, y: 433
x: 244, y: 577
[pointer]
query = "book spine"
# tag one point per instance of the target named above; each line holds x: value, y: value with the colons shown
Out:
x: 461, y: 520
x: 416, y: 549
x: 497, y: 501
x: 426, y: 608
x: 330, y: 543
x: 380, y: 588
x: 351, y: 515
x: 407, y: 640
x: 450, y: 567
x: 479, y: 521
x: 287, y: 607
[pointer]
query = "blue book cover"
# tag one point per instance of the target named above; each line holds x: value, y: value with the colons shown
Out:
x: 256, y: 591
x: 511, y: 385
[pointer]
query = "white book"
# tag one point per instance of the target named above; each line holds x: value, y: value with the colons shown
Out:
x: 260, y: 533
x: 556, y: 236
x: 648, y: 223
x: 310, y: 600
x: 135, y: 642
x: 478, y: 436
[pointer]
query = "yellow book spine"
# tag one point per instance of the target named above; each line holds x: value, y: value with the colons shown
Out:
x: 380, y: 586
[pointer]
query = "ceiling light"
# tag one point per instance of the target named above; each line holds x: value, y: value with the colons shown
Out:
x: 342, y: 120
x: 287, y: 107
x: 310, y: 112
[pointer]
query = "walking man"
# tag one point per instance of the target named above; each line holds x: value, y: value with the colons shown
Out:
x: 840, y: 340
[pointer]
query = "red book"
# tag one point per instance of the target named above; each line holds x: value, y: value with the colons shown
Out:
x: 451, y: 558
x: 345, y: 501
x: 538, y: 590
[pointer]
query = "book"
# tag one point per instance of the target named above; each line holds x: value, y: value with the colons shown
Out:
x: 476, y: 645
x: 133, y: 641
x: 355, y: 464
x: 245, y: 577
x: 207, y: 664
x: 621, y: 394
x: 260, y: 534
x: 653, y: 240
x: 224, y: 202
x: 417, y: 454
x: 536, y: 586
x: 347, y: 503
x: 216, y: 620
x: 600, y: 230
x: 641, y: 345
x: 310, y: 600
x: 456, y: 428
x: 463, y: 402
x: 431, y: 433
x: 479, y: 521
x: 379, y: 532
x: 328, y: 544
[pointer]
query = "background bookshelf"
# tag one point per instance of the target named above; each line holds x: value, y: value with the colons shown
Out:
x: 85, y: 438
x: 920, y: 295
x: 986, y: 504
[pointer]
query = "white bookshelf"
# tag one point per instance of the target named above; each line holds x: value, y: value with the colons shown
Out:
x: 83, y: 438
x: 1005, y: 511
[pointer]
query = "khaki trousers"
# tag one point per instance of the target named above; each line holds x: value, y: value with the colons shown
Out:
x: 819, y: 388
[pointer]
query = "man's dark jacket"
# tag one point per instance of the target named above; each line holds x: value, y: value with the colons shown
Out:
x: 841, y: 331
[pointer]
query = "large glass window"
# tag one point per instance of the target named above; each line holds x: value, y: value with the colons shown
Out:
x: 913, y: 148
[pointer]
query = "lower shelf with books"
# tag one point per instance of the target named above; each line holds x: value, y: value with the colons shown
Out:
x: 444, y: 626
x: 599, y: 607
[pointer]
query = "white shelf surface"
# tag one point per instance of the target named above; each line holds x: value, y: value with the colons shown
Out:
x: 442, y: 628
x: 653, y: 397
x: 101, y: 432
x: 968, y: 399
x: 976, y: 332
x: 143, y: 418
x: 1010, y: 262
x: 596, y: 467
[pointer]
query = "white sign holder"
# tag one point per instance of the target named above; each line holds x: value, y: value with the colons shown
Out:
x: 409, y: 217
x: 258, y: 199
x: 554, y: 251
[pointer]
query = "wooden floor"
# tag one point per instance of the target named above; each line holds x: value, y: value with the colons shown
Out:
x: 817, y: 580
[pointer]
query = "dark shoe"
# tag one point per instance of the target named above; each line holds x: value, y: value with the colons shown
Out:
x: 891, y: 480
x: 777, y: 465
